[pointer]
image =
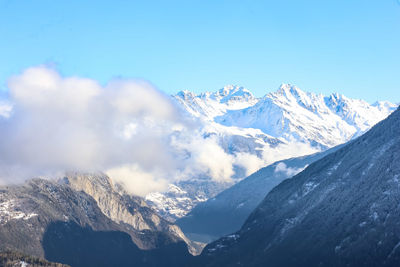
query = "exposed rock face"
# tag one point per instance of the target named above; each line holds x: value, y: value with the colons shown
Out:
x: 118, y: 207
x: 123, y: 208
x: 342, y: 210
x: 52, y: 220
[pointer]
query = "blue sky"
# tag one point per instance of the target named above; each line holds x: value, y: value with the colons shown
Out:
x: 346, y: 46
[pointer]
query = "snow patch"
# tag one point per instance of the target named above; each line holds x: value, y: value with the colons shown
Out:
x: 308, y: 187
x: 240, y: 205
x: 10, y: 210
x: 233, y: 236
x: 374, y: 216
x: 289, y: 223
x: 334, y: 168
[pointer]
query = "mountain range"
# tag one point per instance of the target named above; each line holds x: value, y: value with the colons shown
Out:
x: 260, y: 131
x: 321, y: 190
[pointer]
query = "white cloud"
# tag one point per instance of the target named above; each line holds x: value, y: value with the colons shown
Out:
x: 127, y: 128
x: 137, y: 181
x: 5, y: 109
x: 74, y: 123
x: 289, y: 150
x: 288, y: 171
x: 249, y: 162
x: 204, y: 156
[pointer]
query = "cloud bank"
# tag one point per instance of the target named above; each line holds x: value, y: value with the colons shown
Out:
x: 130, y: 130
x: 127, y: 128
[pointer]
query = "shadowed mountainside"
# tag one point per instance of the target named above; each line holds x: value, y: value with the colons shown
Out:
x: 342, y: 210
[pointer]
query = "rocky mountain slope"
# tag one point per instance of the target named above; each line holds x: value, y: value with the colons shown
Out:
x: 121, y: 207
x: 342, y: 210
x: 283, y: 124
x: 226, y: 212
x: 52, y: 220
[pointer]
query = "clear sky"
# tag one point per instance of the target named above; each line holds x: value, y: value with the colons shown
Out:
x: 347, y: 46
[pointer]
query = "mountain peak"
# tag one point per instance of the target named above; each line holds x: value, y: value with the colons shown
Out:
x: 232, y: 92
x: 290, y: 91
x: 186, y: 94
x: 336, y: 98
x: 223, y: 95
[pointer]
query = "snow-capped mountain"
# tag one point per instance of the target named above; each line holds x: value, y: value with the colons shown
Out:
x: 342, y: 210
x: 321, y: 120
x: 259, y: 131
x: 209, y: 105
